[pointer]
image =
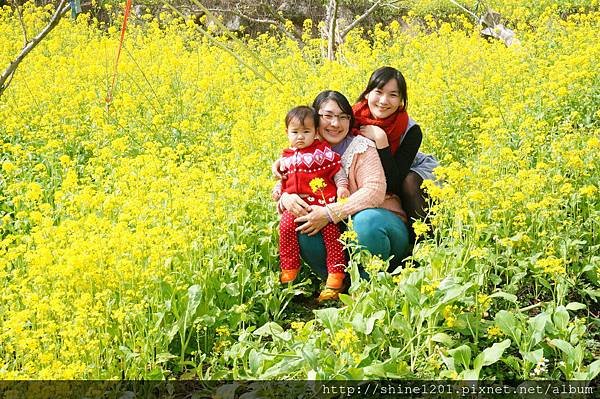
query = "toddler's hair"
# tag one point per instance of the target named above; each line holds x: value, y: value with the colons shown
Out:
x: 300, y: 114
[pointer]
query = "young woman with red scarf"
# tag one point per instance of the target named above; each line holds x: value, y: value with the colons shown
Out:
x: 380, y: 115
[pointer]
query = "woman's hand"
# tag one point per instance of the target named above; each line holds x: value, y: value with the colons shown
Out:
x: 376, y: 134
x: 314, y: 221
x: 295, y: 204
x: 343, y: 192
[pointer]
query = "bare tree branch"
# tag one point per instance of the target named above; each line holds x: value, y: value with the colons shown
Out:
x: 242, y: 15
x: 360, y: 19
x: 222, y: 46
x: 295, y: 35
x: 465, y: 10
x: 332, y: 11
x: 235, y: 39
x: 61, y: 9
x: 491, y: 20
x: 23, y: 28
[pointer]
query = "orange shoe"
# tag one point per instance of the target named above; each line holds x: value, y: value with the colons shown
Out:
x: 335, y: 280
x: 329, y: 294
x: 334, y: 286
x: 288, y: 275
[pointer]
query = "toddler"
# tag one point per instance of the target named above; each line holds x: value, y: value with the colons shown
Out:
x: 311, y: 169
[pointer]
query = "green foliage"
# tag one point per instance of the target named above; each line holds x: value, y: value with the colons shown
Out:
x: 138, y: 238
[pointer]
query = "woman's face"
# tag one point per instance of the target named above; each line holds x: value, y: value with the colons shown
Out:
x: 384, y: 101
x: 334, y: 125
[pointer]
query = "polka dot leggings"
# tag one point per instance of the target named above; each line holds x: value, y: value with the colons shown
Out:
x: 289, y: 251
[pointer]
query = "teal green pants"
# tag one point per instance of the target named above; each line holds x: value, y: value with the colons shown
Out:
x: 379, y: 231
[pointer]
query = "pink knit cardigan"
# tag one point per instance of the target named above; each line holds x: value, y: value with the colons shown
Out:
x: 366, y: 182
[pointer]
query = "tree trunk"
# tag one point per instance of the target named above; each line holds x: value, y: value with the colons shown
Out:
x: 332, y: 10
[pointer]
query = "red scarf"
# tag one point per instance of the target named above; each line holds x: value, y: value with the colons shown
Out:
x: 394, y: 125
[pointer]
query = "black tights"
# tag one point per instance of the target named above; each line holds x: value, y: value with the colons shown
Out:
x: 413, y: 197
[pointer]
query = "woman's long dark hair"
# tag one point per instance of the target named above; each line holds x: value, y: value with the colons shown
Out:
x: 383, y: 75
x: 339, y: 99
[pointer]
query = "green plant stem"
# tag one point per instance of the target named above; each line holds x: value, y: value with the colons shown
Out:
x: 535, y: 305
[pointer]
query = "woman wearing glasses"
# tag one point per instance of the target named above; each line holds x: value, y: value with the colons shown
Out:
x: 379, y: 221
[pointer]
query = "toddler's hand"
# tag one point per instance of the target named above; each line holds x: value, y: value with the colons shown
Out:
x: 343, y: 192
x: 275, y: 195
x: 275, y: 169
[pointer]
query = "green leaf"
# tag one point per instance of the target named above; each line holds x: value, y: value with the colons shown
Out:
x: 461, y: 355
x: 449, y: 362
x: 507, y: 323
x: 346, y: 299
x: 309, y: 355
x: 443, y: 338
x: 578, y: 354
x: 394, y: 352
x: 375, y: 370
x: 174, y: 329
x: 545, y: 283
x: 356, y: 374
x: 564, y: 346
x: 470, y: 375
x: 534, y: 356
x: 560, y: 318
x: 354, y: 272
x: 399, y: 323
x: 512, y: 362
x: 450, y: 294
x: 227, y: 391
x: 505, y: 295
x: 255, y: 362
x: 283, y: 367
x: 454, y: 292
x: 164, y: 357
x: 271, y: 328
x: 575, y: 306
x: 412, y: 294
x: 538, y: 326
x: 478, y: 362
x: 194, y: 299
x: 593, y: 370
x: 232, y: 289
x: 329, y: 317
x: 359, y: 323
x: 593, y: 275
x: 371, y: 321
x: 154, y: 374
x: 492, y: 354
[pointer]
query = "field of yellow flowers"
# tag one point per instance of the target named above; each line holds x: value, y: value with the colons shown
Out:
x: 138, y: 239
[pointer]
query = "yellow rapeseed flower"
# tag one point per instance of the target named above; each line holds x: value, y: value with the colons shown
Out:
x: 8, y: 167
x: 317, y: 184
x: 588, y: 190
x: 349, y: 236
x: 552, y: 266
x: 420, y: 228
x: 494, y: 332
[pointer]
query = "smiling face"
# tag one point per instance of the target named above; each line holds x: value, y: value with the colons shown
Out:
x: 334, y: 124
x: 384, y: 101
x: 385, y: 93
x: 301, y: 134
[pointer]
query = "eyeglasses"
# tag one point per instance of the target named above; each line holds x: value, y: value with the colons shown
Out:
x: 331, y: 117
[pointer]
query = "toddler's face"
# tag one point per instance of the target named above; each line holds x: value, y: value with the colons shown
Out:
x: 301, y: 134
